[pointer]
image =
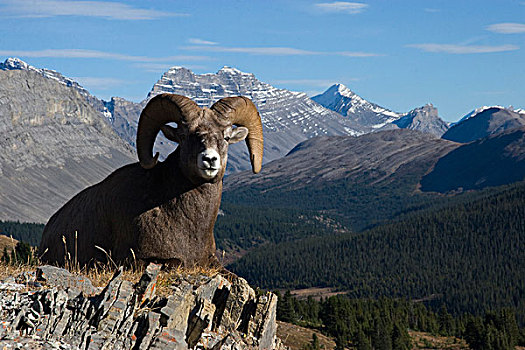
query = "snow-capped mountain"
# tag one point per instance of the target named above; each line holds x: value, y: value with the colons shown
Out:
x: 372, y: 117
x: 484, y: 121
x: 344, y: 101
x: 479, y: 110
x: 424, y: 119
x: 14, y: 63
x: 288, y: 117
x: 475, y: 112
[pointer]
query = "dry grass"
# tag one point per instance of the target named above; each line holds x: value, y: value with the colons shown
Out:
x: 297, y: 337
x: 7, y: 242
x: 315, y: 292
x: 101, y: 274
x: 421, y: 340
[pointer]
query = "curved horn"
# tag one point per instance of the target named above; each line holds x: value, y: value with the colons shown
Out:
x: 160, y: 110
x: 242, y: 112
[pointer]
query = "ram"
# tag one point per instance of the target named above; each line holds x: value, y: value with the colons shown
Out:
x: 159, y: 211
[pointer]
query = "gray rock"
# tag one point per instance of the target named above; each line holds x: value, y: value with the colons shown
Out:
x: 121, y: 317
x: 424, y: 119
x: 58, y: 277
x: 55, y: 139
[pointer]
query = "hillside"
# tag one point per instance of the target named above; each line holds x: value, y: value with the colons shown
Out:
x: 491, y: 161
x: 484, y: 122
x: 436, y: 254
x: 54, y: 144
x: 359, y: 181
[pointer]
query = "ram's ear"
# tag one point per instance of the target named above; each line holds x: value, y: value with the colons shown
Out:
x: 171, y: 133
x: 238, y: 134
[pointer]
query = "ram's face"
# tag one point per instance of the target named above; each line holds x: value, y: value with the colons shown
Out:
x: 204, y: 145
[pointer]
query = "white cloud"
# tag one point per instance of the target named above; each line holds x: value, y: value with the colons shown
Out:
x: 103, y: 9
x: 432, y: 10
x: 358, y: 54
x: 82, y: 53
x: 341, y: 7
x: 99, y: 83
x: 507, y: 28
x: 201, y: 42
x: 463, y: 49
x: 277, y: 51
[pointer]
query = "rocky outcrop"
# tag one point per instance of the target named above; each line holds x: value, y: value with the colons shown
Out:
x: 201, y: 312
x: 424, y: 119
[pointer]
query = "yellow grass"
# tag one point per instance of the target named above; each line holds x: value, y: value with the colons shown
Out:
x: 101, y: 274
x: 297, y: 337
x: 421, y: 340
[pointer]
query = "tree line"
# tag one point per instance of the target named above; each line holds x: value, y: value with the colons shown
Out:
x: 383, y: 323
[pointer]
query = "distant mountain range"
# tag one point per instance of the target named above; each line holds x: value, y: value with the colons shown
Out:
x: 288, y: 117
x: 61, y: 138
x: 342, y: 100
x: 372, y: 117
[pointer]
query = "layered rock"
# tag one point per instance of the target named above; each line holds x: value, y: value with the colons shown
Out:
x: 424, y: 119
x: 54, y: 143
x: 200, y: 312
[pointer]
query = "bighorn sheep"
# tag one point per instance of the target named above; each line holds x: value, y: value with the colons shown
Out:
x: 164, y: 212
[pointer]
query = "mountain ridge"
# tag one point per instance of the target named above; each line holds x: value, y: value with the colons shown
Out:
x: 483, y: 122
x: 372, y: 117
x: 56, y: 143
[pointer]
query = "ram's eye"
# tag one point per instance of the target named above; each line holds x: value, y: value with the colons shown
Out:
x: 227, y: 138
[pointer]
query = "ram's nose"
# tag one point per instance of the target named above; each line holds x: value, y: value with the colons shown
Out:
x: 209, y: 163
x: 210, y: 159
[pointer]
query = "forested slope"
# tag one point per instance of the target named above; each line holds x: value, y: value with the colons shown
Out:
x: 468, y: 255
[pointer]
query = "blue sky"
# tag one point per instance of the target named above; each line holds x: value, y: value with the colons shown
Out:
x: 458, y: 55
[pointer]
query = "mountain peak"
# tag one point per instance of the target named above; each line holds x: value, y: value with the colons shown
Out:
x: 477, y: 111
x: 13, y: 63
x: 425, y: 119
x: 343, y: 90
x: 344, y: 101
x: 232, y: 71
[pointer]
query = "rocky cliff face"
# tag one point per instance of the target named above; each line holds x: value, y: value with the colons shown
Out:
x: 54, y: 141
x: 424, y: 119
x: 201, y: 312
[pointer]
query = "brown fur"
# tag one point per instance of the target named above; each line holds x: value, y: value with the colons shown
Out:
x: 163, y: 214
